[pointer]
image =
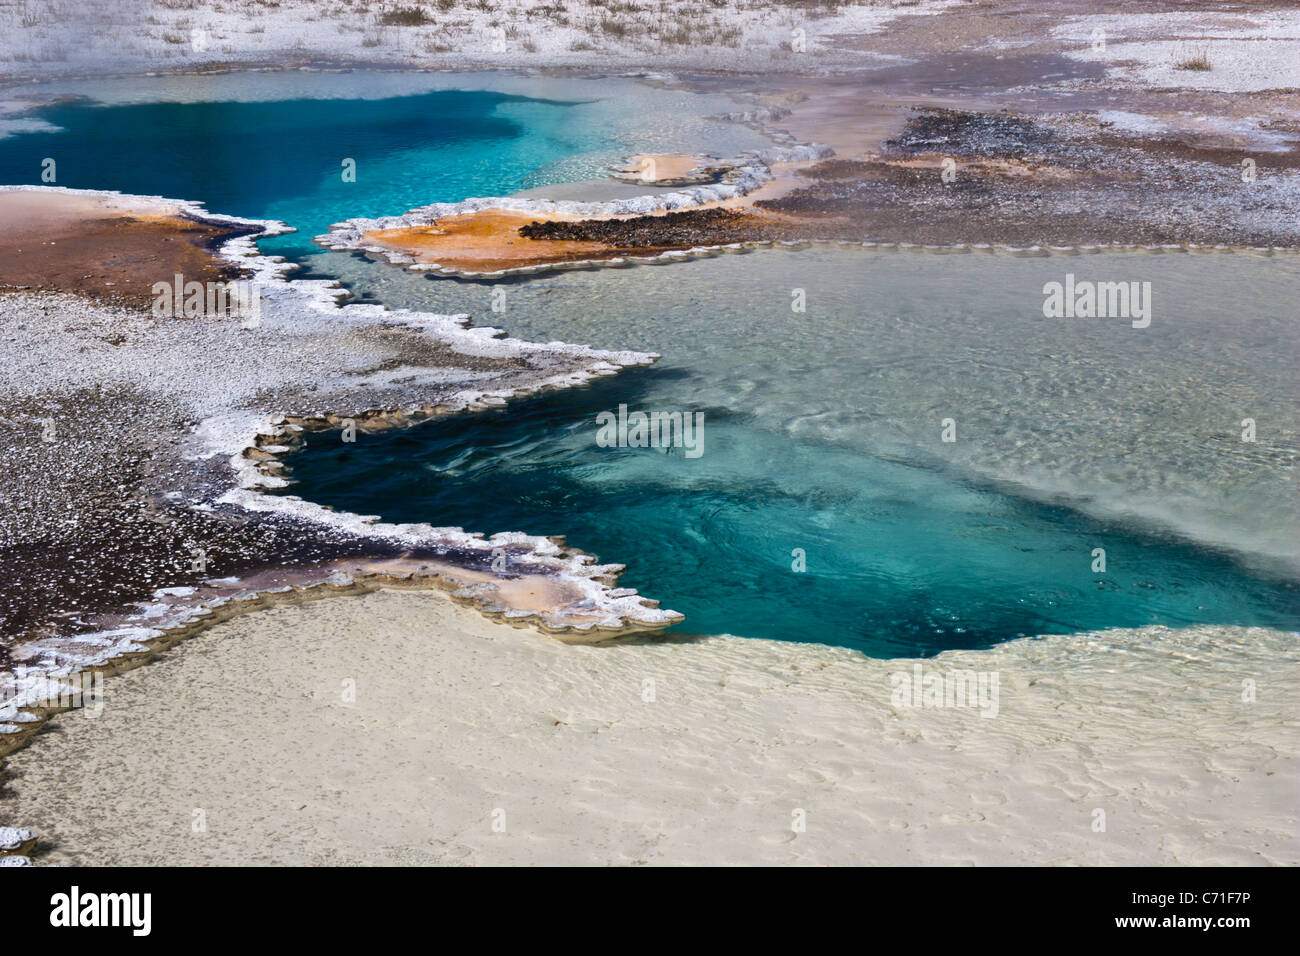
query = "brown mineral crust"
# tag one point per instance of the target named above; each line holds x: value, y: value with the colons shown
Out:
x: 59, y: 242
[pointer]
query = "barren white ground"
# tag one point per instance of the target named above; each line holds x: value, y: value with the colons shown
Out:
x: 1243, y: 51
x: 457, y: 718
x: 41, y: 37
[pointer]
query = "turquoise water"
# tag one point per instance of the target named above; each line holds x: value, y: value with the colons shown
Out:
x: 825, y: 506
x: 900, y: 560
x: 822, y: 432
x: 272, y: 146
x: 283, y: 160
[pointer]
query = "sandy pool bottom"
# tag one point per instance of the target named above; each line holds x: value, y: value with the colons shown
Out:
x: 400, y: 728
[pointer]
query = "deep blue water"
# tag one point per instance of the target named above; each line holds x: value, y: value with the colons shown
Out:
x: 283, y: 159
x: 900, y: 559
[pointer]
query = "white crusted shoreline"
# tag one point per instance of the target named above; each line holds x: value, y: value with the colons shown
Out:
x: 594, y: 607
x: 743, y: 175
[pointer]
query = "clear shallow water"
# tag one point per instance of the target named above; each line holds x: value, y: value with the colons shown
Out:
x: 822, y: 433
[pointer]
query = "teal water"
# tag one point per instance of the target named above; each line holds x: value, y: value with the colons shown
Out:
x: 822, y: 432
x: 283, y: 160
x: 825, y: 506
x: 899, y: 560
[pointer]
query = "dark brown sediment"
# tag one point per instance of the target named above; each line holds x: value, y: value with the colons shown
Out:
x: 660, y: 233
